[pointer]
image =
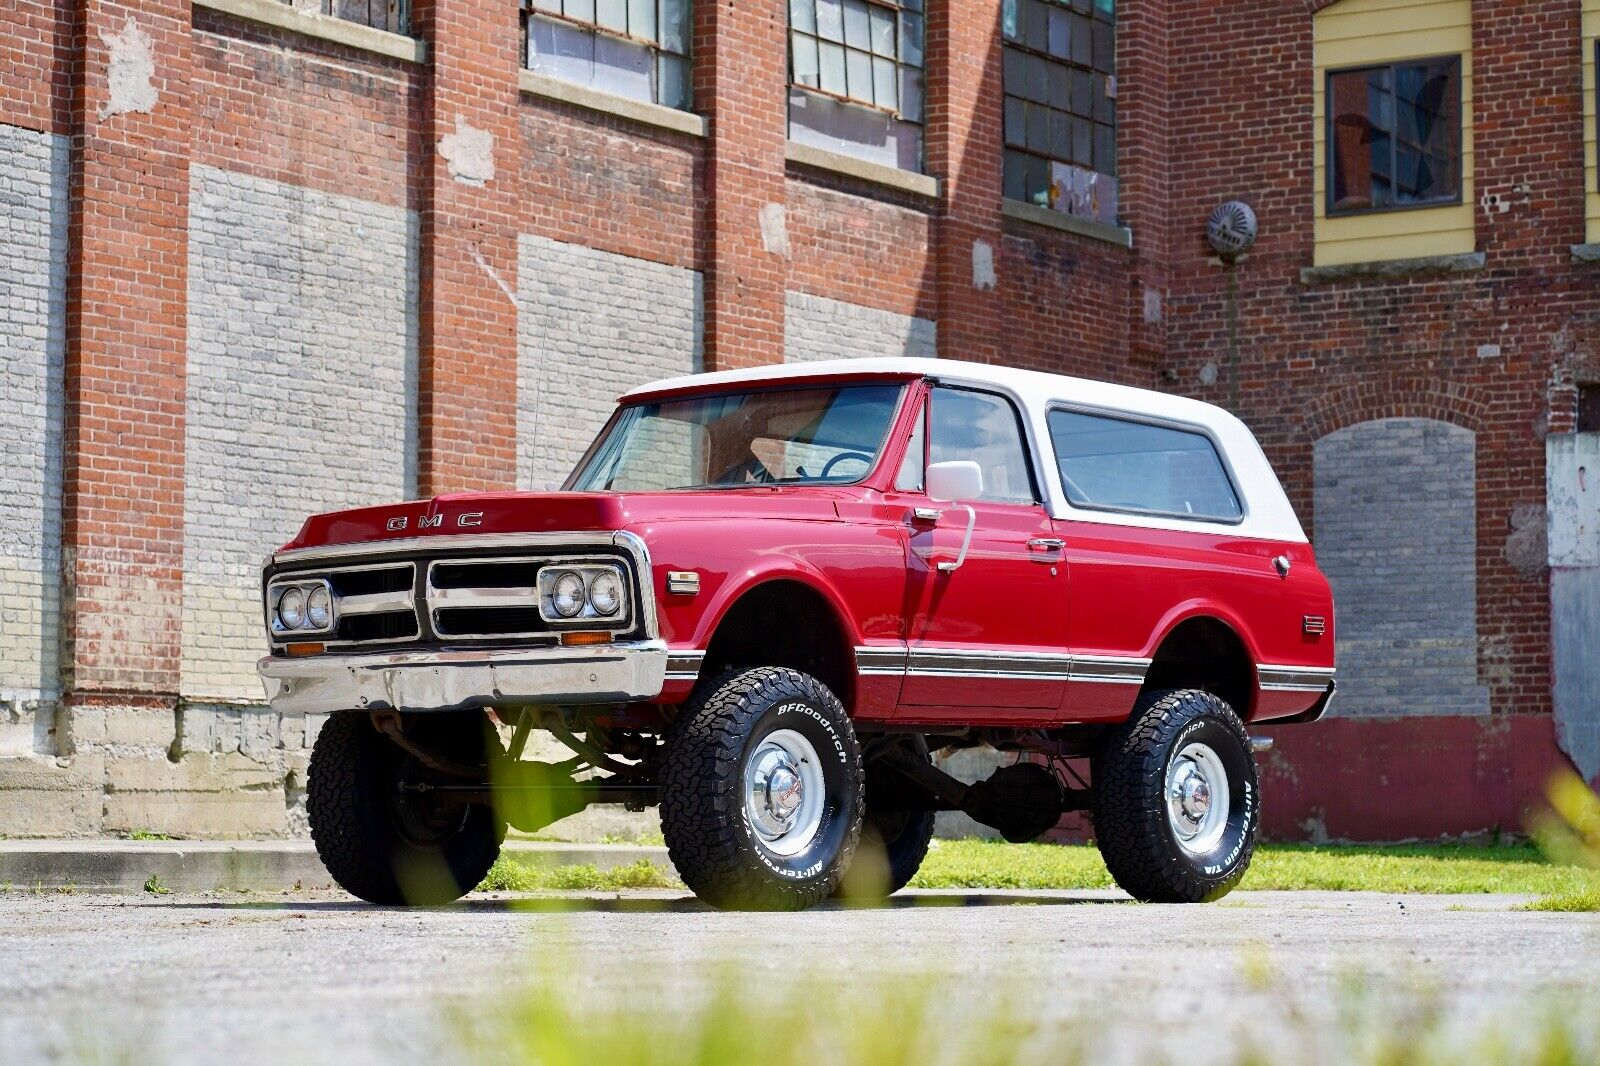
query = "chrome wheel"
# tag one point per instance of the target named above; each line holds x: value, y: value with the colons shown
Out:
x: 1197, y: 798
x: 784, y: 794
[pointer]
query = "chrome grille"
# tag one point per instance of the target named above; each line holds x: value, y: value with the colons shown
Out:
x: 486, y: 597
x: 463, y: 597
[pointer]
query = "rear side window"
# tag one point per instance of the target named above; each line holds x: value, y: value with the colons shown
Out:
x: 1114, y: 464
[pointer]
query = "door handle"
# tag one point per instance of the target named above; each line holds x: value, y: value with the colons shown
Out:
x: 925, y: 514
x: 1046, y: 544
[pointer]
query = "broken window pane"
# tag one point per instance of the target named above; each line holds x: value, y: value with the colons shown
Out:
x: 805, y: 60
x: 675, y: 26
x: 883, y: 26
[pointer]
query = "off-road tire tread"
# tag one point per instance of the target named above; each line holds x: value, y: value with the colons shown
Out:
x: 701, y: 807
x: 907, y: 857
x: 1129, y: 770
x: 352, y: 834
x: 345, y: 829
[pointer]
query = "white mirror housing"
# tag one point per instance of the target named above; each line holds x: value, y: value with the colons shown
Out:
x: 955, y: 480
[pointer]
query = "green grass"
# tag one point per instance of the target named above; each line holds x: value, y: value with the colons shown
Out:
x: 508, y: 875
x: 1418, y: 868
x: 1584, y: 900
x: 983, y: 864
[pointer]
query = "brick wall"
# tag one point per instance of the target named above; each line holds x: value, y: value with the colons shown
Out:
x: 1397, y: 540
x: 590, y: 326
x: 33, y: 216
x: 234, y: 187
x: 303, y: 371
x: 816, y: 327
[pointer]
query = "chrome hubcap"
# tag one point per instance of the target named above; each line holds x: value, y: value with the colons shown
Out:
x: 784, y: 792
x: 1197, y: 798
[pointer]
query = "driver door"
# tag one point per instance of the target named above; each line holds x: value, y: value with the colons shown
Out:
x: 992, y: 631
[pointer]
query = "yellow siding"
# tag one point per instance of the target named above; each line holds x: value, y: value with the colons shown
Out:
x: 1357, y: 32
x: 1591, y: 30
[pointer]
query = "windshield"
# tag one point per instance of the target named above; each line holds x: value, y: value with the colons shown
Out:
x: 810, y: 436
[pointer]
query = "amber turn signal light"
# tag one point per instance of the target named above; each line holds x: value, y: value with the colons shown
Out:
x: 580, y: 639
x: 307, y: 648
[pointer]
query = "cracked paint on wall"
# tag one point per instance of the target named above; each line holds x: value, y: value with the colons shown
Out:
x: 130, y: 71
x: 469, y: 152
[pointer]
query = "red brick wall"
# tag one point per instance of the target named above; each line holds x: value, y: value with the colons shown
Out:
x: 126, y: 332
x: 468, y: 360
x: 1314, y: 358
x: 36, y: 52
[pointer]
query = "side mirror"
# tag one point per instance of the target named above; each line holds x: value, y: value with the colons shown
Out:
x: 958, y: 479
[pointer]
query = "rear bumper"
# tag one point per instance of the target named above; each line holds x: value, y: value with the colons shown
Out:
x: 462, y: 679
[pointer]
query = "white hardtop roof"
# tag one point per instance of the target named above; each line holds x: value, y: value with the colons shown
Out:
x: 1030, y: 386
x: 1268, y: 513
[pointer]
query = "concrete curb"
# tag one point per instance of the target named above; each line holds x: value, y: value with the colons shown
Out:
x: 235, y: 865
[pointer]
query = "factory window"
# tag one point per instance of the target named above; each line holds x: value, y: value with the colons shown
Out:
x: 390, y: 15
x: 855, y: 78
x: 634, y: 48
x: 1061, y: 105
x: 1394, y: 135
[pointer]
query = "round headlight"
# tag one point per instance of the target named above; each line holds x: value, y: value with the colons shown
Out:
x: 292, y: 608
x: 319, y: 607
x: 605, y: 593
x: 566, y: 596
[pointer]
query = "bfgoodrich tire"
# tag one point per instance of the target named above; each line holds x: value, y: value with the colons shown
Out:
x: 1176, y: 799
x: 761, y: 791
x: 383, y: 843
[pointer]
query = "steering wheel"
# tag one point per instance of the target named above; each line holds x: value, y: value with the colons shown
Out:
x: 829, y: 465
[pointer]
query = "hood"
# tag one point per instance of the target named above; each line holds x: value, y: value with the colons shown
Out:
x: 550, y: 512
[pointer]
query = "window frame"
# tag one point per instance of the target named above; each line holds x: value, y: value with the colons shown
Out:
x: 530, y: 10
x: 813, y: 384
x: 1329, y: 211
x: 1030, y: 455
x: 1177, y: 425
x: 1070, y: 65
x: 901, y: 9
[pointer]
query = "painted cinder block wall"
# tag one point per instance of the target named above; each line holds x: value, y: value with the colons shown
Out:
x: 240, y: 210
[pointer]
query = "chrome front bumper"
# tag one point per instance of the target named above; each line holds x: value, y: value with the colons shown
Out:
x: 456, y: 680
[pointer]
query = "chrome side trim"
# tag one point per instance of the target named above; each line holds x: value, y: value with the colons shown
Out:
x: 979, y: 663
x: 1294, y: 678
x: 880, y: 662
x: 684, y: 665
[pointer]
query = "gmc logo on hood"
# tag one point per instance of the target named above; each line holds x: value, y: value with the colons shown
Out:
x: 463, y: 521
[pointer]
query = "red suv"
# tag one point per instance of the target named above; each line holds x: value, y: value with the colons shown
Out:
x: 766, y: 598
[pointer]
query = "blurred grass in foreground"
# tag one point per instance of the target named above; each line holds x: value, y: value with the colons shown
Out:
x: 508, y: 875
x: 775, y: 1017
x: 1569, y: 832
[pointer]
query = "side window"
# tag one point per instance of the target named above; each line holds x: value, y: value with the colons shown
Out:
x: 909, y: 479
x: 1113, y: 464
x: 985, y: 428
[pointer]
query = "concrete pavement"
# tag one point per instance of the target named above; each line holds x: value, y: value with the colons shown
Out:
x: 313, y: 977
